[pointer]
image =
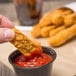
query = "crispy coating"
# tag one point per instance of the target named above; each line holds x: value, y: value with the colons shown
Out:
x: 47, y: 19
x: 70, y: 19
x: 63, y: 36
x: 55, y: 17
x: 23, y: 43
x: 65, y: 8
x: 51, y: 18
x: 36, y: 31
x: 58, y: 19
x: 45, y: 31
x: 68, y: 12
x: 58, y: 24
x: 36, y: 43
x: 57, y: 30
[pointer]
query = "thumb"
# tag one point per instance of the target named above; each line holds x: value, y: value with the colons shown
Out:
x: 6, y: 34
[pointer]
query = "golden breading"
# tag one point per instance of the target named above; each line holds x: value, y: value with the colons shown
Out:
x: 24, y: 44
x: 63, y: 36
x: 57, y: 30
x: 65, y: 8
x: 36, y: 31
x: 58, y: 19
x: 70, y: 19
x: 45, y: 31
x: 55, y: 17
x: 36, y: 43
x: 47, y: 19
x: 67, y: 12
x: 55, y: 24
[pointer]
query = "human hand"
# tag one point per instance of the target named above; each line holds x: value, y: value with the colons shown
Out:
x: 6, y: 34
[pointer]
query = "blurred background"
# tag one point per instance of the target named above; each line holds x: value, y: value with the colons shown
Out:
x: 7, y: 8
x: 45, y: 0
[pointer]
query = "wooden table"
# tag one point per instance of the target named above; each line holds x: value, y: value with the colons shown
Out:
x: 65, y: 63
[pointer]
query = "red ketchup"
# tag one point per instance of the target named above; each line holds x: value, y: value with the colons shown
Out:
x: 33, y: 61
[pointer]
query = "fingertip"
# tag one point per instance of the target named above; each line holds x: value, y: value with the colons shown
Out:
x: 6, y: 23
x: 9, y: 35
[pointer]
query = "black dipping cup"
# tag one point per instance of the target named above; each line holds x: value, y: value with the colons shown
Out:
x: 44, y: 70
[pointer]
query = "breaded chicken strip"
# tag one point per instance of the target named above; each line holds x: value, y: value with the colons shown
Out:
x: 58, y: 19
x: 47, y: 19
x: 70, y: 19
x: 51, y: 18
x: 63, y: 36
x: 36, y: 31
x: 67, y: 12
x: 36, y: 43
x: 45, y: 31
x: 24, y: 44
x: 57, y: 30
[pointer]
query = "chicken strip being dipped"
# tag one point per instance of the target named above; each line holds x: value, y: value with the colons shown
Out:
x: 24, y: 44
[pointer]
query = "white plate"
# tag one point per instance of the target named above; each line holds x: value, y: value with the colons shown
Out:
x: 24, y: 28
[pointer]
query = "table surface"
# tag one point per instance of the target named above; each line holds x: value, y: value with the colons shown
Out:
x: 65, y: 63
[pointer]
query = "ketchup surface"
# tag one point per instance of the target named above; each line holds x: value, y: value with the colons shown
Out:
x: 33, y: 61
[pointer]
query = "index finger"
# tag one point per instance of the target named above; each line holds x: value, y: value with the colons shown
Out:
x: 5, y: 22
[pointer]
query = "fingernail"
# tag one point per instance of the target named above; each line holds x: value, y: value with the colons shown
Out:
x: 9, y: 34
